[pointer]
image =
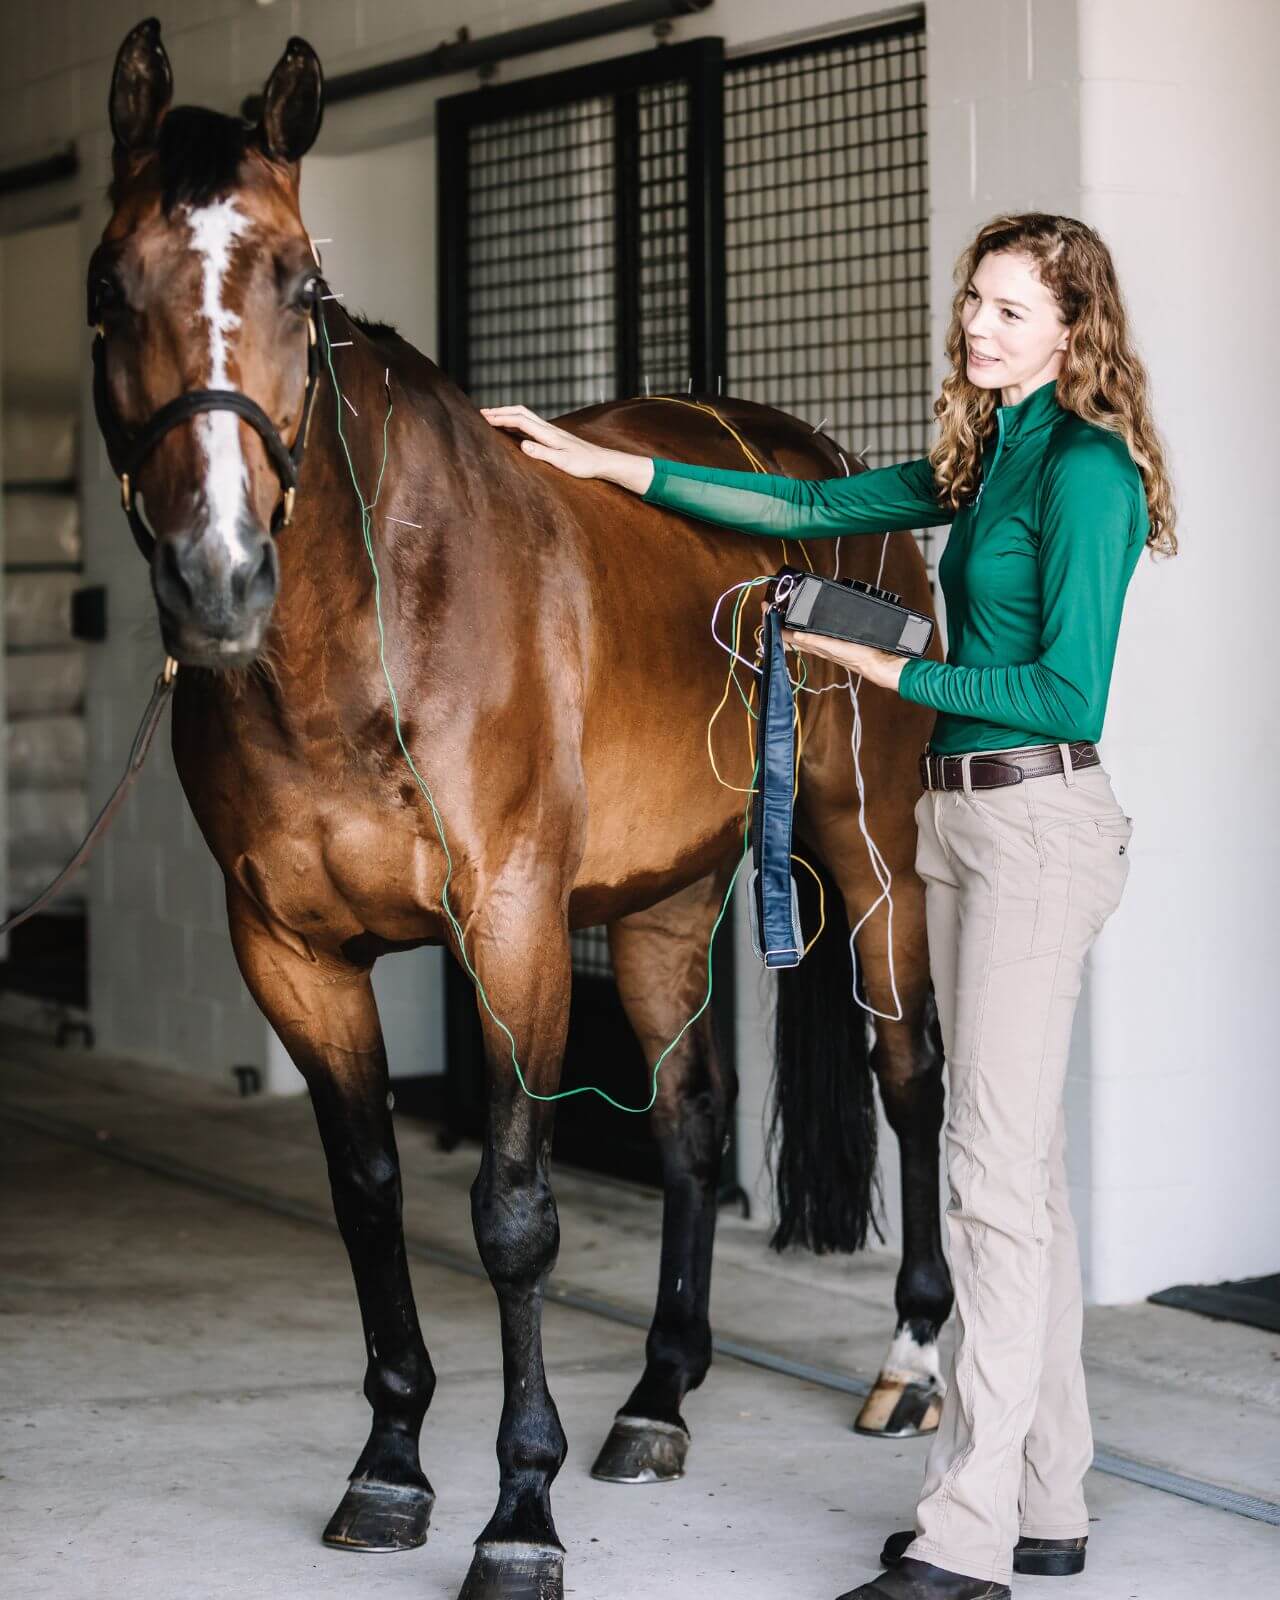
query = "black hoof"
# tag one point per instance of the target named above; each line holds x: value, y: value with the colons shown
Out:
x: 898, y: 1408
x: 380, y: 1516
x: 515, y: 1572
x: 640, y: 1451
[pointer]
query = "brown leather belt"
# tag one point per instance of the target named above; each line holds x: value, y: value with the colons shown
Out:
x: 994, y: 769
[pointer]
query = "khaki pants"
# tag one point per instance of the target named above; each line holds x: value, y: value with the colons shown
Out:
x: 1018, y: 882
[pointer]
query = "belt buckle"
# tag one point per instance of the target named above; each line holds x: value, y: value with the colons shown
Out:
x: 930, y: 782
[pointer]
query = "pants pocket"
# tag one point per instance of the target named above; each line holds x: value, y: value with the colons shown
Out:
x: 1118, y: 830
x: 1110, y: 836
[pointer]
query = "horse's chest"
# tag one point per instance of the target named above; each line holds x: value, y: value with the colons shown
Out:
x: 329, y: 870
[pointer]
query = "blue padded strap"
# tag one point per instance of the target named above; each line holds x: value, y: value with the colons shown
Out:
x: 775, y: 906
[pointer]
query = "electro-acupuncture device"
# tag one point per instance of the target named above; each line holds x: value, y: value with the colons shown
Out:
x: 846, y: 608
x: 849, y: 608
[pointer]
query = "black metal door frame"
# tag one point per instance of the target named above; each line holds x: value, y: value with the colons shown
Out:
x: 700, y: 63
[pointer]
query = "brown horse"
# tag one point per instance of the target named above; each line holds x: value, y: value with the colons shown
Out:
x: 549, y: 643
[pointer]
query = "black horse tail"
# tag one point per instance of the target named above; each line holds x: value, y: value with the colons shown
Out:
x: 822, y: 1131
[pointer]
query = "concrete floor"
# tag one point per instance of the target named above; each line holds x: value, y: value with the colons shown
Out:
x: 179, y: 1387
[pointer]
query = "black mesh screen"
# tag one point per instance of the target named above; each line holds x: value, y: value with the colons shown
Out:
x: 540, y: 247
x: 827, y: 239
x: 543, y: 289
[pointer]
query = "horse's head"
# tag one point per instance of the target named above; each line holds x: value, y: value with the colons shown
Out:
x: 205, y: 280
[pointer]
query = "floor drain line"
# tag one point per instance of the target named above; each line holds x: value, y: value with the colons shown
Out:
x: 1111, y: 1462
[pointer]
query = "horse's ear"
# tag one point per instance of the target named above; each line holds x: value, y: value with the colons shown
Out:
x: 141, y: 88
x: 293, y: 103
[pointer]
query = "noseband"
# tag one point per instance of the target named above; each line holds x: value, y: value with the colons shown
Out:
x: 127, y: 450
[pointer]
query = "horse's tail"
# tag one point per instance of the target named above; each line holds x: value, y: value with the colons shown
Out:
x: 822, y: 1131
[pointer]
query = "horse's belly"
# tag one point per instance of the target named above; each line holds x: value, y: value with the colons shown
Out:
x: 649, y: 838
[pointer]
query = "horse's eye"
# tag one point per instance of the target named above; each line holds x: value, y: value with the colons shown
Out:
x: 304, y: 295
x: 104, y: 297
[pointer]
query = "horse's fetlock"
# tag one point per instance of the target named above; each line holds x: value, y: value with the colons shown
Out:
x: 400, y: 1387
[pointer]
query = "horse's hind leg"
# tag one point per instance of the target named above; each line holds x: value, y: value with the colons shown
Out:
x: 660, y: 958
x: 907, y: 1061
x: 908, y: 1064
x: 328, y: 1022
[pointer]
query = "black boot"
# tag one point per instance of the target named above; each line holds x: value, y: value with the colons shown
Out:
x: 918, y: 1580
x: 1033, y: 1558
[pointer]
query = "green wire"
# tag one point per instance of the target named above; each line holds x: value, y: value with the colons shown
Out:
x: 366, y: 527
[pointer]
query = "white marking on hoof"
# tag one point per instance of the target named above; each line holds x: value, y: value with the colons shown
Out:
x: 913, y: 1363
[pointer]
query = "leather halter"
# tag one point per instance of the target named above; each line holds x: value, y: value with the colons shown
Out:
x: 127, y: 450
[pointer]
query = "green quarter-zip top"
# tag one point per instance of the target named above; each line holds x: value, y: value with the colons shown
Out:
x: 1034, y: 572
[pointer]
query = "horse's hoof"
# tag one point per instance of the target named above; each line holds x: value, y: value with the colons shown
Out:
x: 515, y: 1572
x: 900, y: 1408
x: 376, y: 1516
x: 640, y: 1451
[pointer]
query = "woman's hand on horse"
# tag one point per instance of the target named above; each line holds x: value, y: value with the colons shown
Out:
x: 546, y: 442
x: 876, y: 666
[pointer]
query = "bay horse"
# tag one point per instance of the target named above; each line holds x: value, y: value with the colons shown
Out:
x: 549, y: 640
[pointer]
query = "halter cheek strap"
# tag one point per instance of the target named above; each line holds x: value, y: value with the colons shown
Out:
x: 127, y: 451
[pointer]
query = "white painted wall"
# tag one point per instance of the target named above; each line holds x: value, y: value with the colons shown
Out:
x: 1152, y: 119
x: 1180, y: 166
x: 1156, y: 122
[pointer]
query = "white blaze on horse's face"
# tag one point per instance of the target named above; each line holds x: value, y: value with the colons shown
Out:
x: 214, y: 231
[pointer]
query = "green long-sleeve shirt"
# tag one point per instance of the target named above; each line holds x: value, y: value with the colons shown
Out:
x: 1034, y: 572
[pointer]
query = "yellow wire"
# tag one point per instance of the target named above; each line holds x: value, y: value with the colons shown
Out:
x: 756, y: 464
x: 822, y: 901
x: 731, y: 679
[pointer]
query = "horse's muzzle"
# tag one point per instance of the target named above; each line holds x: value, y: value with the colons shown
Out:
x: 215, y: 599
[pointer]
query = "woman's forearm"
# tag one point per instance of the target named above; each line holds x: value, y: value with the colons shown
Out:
x: 773, y: 505
x: 628, y: 471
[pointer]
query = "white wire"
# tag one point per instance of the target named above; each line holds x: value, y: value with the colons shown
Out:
x: 728, y: 648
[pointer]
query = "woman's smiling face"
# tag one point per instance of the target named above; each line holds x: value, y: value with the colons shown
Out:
x: 1015, y: 338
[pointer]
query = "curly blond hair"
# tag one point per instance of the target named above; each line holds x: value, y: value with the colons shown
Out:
x: 1102, y: 378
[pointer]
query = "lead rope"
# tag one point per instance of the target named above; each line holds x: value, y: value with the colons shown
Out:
x: 160, y: 694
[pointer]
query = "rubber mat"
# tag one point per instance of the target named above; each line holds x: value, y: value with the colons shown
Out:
x: 1253, y: 1301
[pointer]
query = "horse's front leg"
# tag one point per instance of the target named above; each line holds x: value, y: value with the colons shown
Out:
x: 326, y: 1017
x: 660, y: 961
x: 522, y: 962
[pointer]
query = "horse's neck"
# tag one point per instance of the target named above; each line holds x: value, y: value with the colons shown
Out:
x: 425, y: 475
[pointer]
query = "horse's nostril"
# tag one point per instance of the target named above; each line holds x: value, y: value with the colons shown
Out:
x: 170, y: 580
x: 261, y: 587
x: 253, y: 579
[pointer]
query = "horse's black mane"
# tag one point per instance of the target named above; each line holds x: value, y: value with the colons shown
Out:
x: 372, y: 329
x: 200, y: 152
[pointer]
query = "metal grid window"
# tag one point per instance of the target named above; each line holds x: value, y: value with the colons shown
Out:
x: 540, y: 240
x: 827, y: 239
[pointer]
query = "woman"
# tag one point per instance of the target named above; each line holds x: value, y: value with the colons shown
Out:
x: 1052, y: 478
